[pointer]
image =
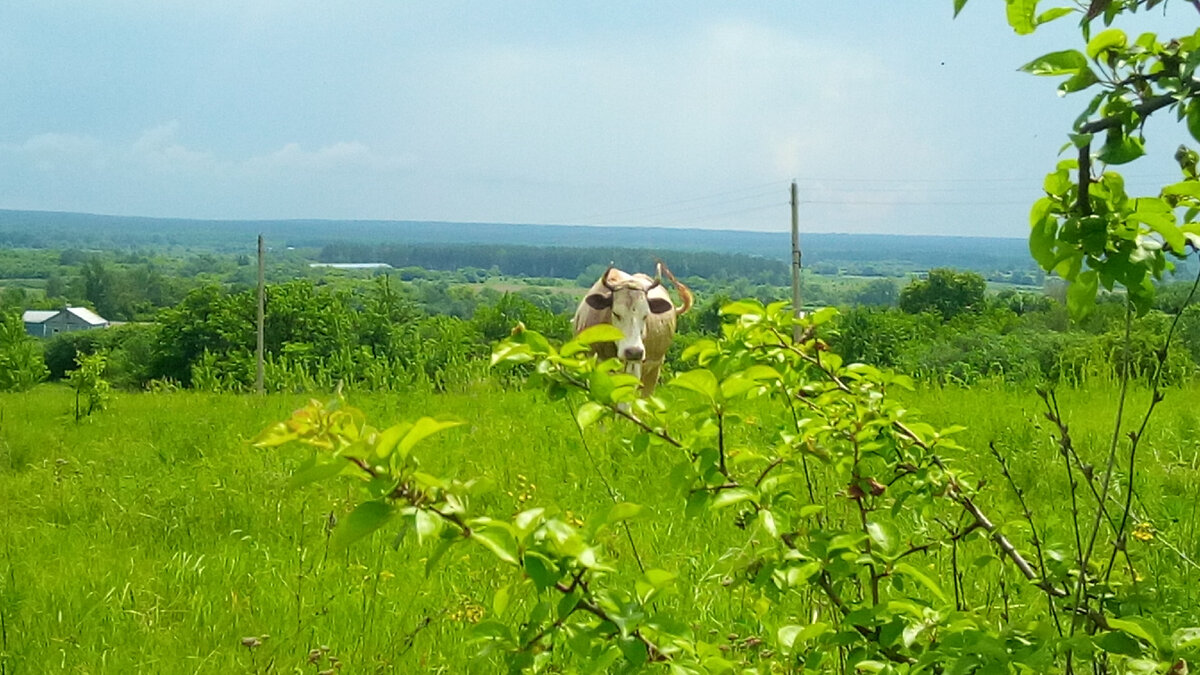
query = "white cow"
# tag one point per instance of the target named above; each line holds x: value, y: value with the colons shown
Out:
x: 643, y: 311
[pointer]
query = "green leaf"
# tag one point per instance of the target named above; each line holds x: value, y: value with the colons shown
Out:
x: 1185, y: 638
x: 733, y: 496
x: 1120, y: 148
x: 491, y: 631
x: 884, y: 535
x: 1081, y: 80
x: 652, y: 584
x: 1187, y: 188
x: 623, y: 511
x: 701, y: 381
x: 1117, y: 642
x: 363, y: 520
x: 1141, y: 628
x: 633, y: 649
x: 1113, y: 38
x: 1021, y: 15
x: 602, y: 332
x: 500, y: 600
x: 422, y: 429
x: 1042, y: 238
x: 913, y: 573
x: 1193, y: 118
x: 601, y: 385
x: 958, y: 6
x: 444, y: 545
x: 389, y: 437
x: 567, y: 604
x: 659, y: 578
x: 426, y: 524
x: 1160, y: 217
x: 1081, y: 294
x: 1052, y: 14
x: 526, y: 521
x: 312, y: 472
x: 540, y: 570
x: 496, y: 538
x: 736, y: 385
x: 588, y: 413
x: 789, y: 636
x: 743, y: 307
x: 1066, y: 62
x: 509, y: 353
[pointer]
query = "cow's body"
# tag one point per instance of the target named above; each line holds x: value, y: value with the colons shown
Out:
x: 643, y: 311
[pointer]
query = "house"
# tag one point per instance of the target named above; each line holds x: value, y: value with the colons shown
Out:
x: 50, y: 322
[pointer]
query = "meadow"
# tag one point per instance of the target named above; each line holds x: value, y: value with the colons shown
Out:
x: 152, y: 537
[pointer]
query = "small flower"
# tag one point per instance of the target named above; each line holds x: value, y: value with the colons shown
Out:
x: 1143, y: 532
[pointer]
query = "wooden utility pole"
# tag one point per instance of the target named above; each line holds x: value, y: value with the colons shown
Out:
x: 259, y: 385
x: 795, y: 261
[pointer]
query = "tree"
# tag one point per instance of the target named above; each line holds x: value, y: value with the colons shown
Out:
x: 21, y: 362
x: 945, y: 292
x: 877, y: 292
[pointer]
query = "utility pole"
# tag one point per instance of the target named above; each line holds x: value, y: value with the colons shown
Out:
x: 795, y: 262
x: 259, y: 386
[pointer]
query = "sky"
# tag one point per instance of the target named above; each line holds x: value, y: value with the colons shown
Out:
x: 892, y: 117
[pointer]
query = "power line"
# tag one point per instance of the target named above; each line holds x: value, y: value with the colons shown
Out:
x: 725, y: 214
x: 863, y: 202
x: 666, y: 205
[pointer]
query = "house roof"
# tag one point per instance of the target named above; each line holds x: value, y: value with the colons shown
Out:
x: 87, y: 315
x: 44, y: 315
x: 38, y: 315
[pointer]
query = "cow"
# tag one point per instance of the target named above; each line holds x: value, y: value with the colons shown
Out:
x: 643, y: 311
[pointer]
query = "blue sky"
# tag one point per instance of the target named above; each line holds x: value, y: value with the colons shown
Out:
x: 892, y: 116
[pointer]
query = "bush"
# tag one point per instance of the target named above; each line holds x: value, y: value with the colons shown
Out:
x: 21, y: 361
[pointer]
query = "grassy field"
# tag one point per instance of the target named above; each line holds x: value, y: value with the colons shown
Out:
x: 154, y: 538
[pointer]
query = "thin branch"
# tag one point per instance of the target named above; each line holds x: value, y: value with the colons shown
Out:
x: 612, y: 493
x: 1143, y: 110
x: 1110, y: 464
x: 1156, y: 397
x: 1028, y: 513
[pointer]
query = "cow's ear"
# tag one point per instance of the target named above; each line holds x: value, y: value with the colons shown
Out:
x: 660, y: 306
x: 598, y: 301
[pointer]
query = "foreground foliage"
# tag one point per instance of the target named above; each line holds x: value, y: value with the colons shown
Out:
x: 859, y: 522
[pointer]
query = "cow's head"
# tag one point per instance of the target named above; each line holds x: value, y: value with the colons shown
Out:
x: 630, y: 306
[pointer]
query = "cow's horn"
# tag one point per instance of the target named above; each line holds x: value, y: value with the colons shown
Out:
x: 656, y: 284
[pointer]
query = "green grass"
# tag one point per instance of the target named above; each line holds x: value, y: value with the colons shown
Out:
x: 153, y: 538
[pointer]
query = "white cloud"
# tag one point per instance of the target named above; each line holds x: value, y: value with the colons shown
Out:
x: 53, y: 151
x: 347, y: 156
x: 159, y: 150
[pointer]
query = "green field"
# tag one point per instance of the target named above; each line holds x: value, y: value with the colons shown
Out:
x: 153, y: 538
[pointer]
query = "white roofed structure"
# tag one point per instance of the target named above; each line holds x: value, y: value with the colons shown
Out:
x: 50, y: 322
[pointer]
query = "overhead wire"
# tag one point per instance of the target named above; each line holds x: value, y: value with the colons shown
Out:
x: 823, y: 191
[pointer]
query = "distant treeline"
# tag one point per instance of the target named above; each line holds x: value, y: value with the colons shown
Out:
x: 561, y: 262
x: 824, y: 253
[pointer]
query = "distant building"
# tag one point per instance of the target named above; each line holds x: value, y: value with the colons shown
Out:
x: 46, y: 323
x: 353, y: 266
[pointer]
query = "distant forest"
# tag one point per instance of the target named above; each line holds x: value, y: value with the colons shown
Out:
x: 493, y: 244
x: 562, y: 262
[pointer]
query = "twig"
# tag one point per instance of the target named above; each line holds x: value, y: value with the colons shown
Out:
x: 612, y: 493
x: 1028, y: 513
x: 1156, y: 397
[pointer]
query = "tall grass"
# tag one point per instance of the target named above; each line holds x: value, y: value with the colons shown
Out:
x: 152, y: 537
